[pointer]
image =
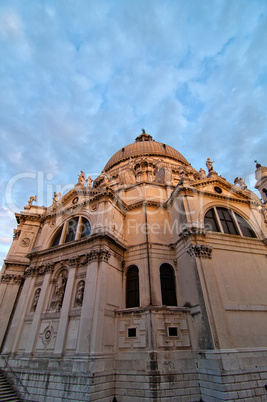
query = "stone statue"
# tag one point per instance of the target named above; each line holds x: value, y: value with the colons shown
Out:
x: 89, y: 182
x: 258, y: 165
x: 209, y: 164
x: 60, y: 289
x: 163, y: 174
x: 202, y: 174
x: 240, y: 182
x: 79, y: 294
x: 36, y: 298
x: 127, y: 175
x: 102, y: 179
x: 81, y: 178
x: 56, y: 197
x: 159, y: 172
x: 181, y: 170
x: 32, y: 198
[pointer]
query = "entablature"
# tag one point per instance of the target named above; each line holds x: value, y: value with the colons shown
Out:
x: 94, y: 237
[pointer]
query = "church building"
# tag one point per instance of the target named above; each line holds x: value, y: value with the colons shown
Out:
x: 148, y: 283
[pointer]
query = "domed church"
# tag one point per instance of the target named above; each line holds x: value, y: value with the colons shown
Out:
x: 145, y: 284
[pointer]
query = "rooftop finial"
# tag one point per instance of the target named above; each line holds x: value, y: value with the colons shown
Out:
x: 144, y: 136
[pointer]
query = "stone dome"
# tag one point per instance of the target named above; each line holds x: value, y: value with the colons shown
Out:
x: 145, y: 145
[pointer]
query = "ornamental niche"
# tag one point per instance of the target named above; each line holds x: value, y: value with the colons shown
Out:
x: 79, y: 294
x: 35, y: 299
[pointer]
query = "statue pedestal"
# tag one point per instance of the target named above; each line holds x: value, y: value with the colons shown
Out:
x: 212, y: 174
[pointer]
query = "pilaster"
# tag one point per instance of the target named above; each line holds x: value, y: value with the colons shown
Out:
x: 17, y: 325
x: 34, y: 332
x: 87, y: 311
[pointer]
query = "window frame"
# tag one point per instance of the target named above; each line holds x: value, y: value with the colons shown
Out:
x: 132, y: 296
x: 165, y: 281
x: 234, y: 220
x: 63, y: 230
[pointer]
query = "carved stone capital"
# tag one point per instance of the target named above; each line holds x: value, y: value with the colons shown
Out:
x: 97, y: 254
x: 73, y: 261
x: 12, y: 279
x: 37, y: 271
x: 199, y: 250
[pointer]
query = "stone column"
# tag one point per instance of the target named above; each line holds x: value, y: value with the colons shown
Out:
x: 9, y: 288
x: 64, y: 313
x: 98, y: 311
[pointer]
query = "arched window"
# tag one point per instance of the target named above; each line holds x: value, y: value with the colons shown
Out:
x: 74, y: 229
x: 167, y: 282
x: 226, y: 221
x: 132, y: 287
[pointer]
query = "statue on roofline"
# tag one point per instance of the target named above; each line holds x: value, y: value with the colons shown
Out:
x: 209, y: 164
x: 32, y: 198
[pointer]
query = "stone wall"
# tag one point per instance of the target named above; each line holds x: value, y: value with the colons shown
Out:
x: 233, y: 375
x: 208, y: 376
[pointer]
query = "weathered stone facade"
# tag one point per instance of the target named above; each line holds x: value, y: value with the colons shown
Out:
x: 149, y: 284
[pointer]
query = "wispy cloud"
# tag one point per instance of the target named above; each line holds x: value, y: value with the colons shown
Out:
x: 80, y: 79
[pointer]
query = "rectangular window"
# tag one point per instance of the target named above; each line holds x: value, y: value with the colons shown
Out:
x: 173, y: 331
x: 131, y: 332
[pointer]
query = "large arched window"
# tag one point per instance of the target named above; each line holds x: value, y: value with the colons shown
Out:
x: 167, y: 282
x: 132, y: 287
x: 73, y: 229
x: 227, y: 221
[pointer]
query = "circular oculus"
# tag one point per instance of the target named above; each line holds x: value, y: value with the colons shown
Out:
x: 218, y: 190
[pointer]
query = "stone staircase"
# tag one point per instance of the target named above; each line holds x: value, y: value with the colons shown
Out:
x: 6, y: 391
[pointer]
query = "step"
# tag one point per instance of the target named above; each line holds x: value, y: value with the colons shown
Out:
x: 7, y: 394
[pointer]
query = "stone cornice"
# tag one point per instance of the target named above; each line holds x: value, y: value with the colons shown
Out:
x: 76, y: 243
x: 15, y: 263
x: 153, y: 309
x: 185, y: 234
x: 97, y: 254
x: 21, y: 217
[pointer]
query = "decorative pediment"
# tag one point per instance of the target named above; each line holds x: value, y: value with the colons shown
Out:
x: 220, y: 188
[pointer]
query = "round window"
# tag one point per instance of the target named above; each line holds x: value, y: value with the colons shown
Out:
x: 218, y: 190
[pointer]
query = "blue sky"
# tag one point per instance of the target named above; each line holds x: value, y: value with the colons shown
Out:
x: 79, y: 79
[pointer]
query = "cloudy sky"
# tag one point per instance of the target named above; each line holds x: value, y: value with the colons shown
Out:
x: 79, y: 79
